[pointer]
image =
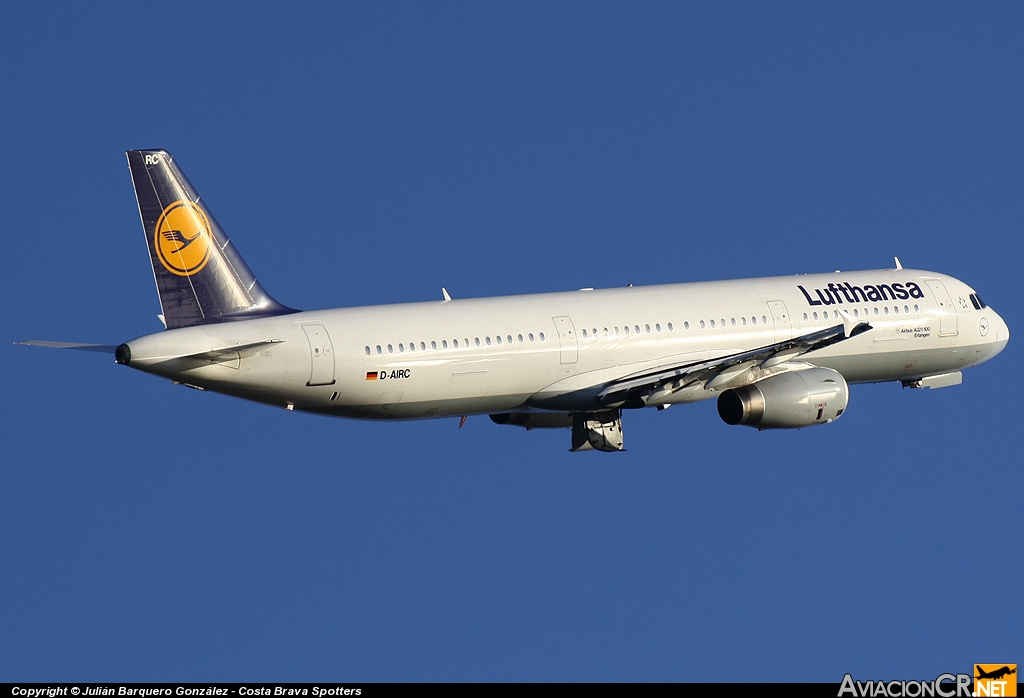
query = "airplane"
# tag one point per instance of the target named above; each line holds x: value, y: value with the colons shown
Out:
x: 777, y: 353
x: 994, y: 674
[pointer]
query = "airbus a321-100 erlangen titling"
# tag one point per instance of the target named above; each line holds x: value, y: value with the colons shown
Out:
x: 777, y: 352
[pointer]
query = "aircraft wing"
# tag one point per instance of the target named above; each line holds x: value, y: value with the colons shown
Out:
x: 675, y: 376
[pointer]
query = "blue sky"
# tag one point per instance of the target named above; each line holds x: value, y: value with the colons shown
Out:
x: 373, y: 153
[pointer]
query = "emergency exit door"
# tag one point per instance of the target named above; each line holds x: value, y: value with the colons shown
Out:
x: 321, y: 355
x: 947, y: 311
x: 567, y: 344
x: 780, y: 317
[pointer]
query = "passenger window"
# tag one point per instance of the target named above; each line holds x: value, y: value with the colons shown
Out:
x: 732, y: 321
x: 378, y: 350
x: 906, y: 309
x: 401, y: 347
x: 488, y: 341
x: 670, y: 326
x: 657, y: 327
x: 743, y: 321
x: 764, y: 319
x: 509, y: 338
x: 584, y: 333
x: 476, y: 340
x: 856, y: 313
x: 886, y: 310
x: 686, y: 325
x: 702, y: 324
x: 498, y: 339
x: 444, y: 343
x: 647, y: 329
x: 637, y: 328
x: 753, y: 320
x: 805, y: 317
x: 896, y: 309
x: 916, y: 308
x: 723, y: 322
x: 423, y: 346
x: 626, y: 329
x: 541, y: 335
x: 367, y: 349
x: 876, y: 311
x: 712, y: 323
x: 391, y: 349
x: 433, y: 344
x: 455, y: 343
x: 815, y: 315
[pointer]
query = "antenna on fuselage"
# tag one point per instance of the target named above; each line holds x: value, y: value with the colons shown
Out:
x: 898, y: 265
x: 444, y: 292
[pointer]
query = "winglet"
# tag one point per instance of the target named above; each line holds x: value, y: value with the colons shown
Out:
x: 444, y: 292
x: 898, y: 265
x: 849, y: 324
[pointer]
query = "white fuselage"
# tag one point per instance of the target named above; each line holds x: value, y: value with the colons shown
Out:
x: 554, y: 351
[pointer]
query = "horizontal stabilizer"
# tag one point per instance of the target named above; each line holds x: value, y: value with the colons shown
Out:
x: 99, y: 348
x: 229, y: 353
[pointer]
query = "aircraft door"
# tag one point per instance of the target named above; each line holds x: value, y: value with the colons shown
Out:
x: 947, y: 311
x: 567, y: 343
x: 468, y: 386
x: 321, y: 354
x: 780, y: 316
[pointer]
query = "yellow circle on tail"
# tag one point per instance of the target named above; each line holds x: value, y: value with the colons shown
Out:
x: 183, y: 238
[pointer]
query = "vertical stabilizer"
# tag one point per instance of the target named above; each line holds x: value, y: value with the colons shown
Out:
x: 199, y: 274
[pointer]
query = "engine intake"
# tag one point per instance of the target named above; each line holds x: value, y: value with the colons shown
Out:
x: 787, y: 401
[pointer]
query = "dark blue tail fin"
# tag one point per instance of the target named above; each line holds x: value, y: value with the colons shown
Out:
x: 200, y: 276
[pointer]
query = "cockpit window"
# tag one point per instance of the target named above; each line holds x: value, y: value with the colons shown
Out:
x: 977, y: 302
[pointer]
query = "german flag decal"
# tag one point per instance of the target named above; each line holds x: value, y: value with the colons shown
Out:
x: 371, y: 375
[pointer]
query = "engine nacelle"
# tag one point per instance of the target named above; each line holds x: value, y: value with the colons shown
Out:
x: 787, y: 401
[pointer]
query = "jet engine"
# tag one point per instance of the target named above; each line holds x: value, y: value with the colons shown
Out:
x: 787, y: 400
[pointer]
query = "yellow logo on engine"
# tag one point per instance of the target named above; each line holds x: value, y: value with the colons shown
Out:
x: 183, y: 238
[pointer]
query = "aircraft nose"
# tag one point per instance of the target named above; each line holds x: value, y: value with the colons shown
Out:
x: 999, y: 333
